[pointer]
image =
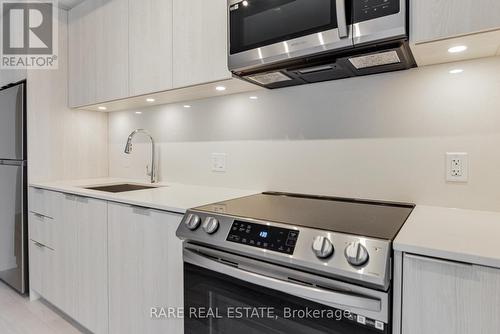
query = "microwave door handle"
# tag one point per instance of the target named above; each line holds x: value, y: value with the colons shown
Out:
x: 315, y: 294
x: 341, y: 18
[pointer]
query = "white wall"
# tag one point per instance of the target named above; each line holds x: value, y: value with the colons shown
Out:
x: 62, y: 143
x: 382, y: 137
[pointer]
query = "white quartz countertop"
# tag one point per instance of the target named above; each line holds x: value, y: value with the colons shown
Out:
x: 171, y: 197
x: 453, y: 234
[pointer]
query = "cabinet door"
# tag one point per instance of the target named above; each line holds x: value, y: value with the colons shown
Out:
x: 437, y: 297
x: 488, y: 300
x: 66, y: 264
x: 437, y: 19
x: 42, y: 273
x: 82, y: 53
x: 80, y: 261
x: 446, y: 297
x: 112, y: 49
x: 145, y: 269
x: 92, y: 264
x: 36, y: 266
x: 150, y: 46
x: 200, y: 42
x: 98, y: 52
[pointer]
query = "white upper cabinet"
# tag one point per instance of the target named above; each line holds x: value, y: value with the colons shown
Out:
x: 437, y: 19
x: 437, y: 25
x: 112, y: 50
x: 200, y: 42
x: 120, y: 50
x: 82, y: 53
x: 98, y: 52
x: 150, y: 45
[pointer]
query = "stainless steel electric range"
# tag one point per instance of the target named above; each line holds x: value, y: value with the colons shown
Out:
x: 288, y: 263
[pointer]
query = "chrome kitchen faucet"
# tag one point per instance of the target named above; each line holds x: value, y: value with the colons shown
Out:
x: 128, y: 150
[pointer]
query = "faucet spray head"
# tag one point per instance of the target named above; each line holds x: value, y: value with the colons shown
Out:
x: 128, y: 146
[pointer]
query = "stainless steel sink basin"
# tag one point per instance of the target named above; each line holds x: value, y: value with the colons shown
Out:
x: 120, y: 188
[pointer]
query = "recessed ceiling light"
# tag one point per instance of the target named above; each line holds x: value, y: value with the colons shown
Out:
x: 102, y: 108
x: 150, y: 100
x: 138, y: 112
x: 456, y: 71
x: 220, y: 88
x: 253, y: 97
x: 186, y: 106
x: 245, y: 3
x: 457, y: 49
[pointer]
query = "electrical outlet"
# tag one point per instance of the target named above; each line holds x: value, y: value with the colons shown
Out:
x: 457, y: 167
x: 219, y: 162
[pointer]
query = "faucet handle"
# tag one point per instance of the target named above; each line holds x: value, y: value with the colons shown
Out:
x: 152, y: 173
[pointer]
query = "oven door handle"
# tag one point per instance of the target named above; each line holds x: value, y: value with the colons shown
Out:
x: 315, y: 294
x: 341, y: 18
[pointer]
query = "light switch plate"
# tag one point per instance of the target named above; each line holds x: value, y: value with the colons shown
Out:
x: 219, y: 162
x: 457, y: 167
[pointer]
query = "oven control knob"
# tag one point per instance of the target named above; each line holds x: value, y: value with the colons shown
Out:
x: 356, y: 254
x: 210, y: 225
x: 322, y: 247
x: 193, y: 221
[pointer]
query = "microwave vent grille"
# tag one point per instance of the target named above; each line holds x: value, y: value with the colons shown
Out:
x: 376, y: 59
x: 269, y: 78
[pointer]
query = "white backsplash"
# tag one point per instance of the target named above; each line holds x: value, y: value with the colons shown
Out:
x: 382, y: 136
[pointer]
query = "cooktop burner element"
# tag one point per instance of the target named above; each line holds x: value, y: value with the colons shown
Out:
x: 347, y: 239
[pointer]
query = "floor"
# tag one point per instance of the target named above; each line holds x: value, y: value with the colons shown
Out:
x: 20, y: 316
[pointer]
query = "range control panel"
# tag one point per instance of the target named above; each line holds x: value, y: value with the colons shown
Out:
x: 365, y: 10
x: 263, y: 236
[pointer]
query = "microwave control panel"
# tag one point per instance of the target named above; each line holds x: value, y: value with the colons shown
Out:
x: 365, y: 10
x: 263, y: 236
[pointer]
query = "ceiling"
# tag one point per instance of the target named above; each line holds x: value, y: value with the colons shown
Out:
x: 68, y: 4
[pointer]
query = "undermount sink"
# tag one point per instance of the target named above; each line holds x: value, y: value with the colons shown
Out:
x: 120, y: 188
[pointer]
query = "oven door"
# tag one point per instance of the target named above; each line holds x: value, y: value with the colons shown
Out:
x: 263, y: 32
x: 226, y: 294
x: 379, y: 20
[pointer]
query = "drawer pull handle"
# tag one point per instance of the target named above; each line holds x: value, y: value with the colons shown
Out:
x: 39, y: 216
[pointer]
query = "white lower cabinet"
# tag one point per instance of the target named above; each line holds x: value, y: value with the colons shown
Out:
x: 72, y: 274
x: 444, y: 297
x: 91, y: 263
x: 145, y: 269
x: 108, y: 264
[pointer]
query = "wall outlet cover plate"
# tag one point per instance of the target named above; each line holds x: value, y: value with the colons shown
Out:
x: 219, y: 162
x: 457, y: 167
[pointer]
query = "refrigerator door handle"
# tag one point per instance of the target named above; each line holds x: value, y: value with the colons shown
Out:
x: 12, y: 162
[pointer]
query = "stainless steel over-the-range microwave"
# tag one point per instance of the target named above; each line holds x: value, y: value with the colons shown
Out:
x: 279, y: 43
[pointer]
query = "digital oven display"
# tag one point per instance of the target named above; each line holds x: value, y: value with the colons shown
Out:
x: 262, y: 236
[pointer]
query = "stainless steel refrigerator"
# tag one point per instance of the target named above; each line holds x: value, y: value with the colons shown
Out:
x: 13, y: 187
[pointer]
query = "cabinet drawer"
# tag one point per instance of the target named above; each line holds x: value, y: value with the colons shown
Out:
x: 42, y: 274
x: 42, y: 202
x: 41, y: 229
x: 36, y: 266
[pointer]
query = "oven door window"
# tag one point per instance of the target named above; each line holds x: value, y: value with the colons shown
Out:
x: 256, y: 23
x: 219, y: 304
